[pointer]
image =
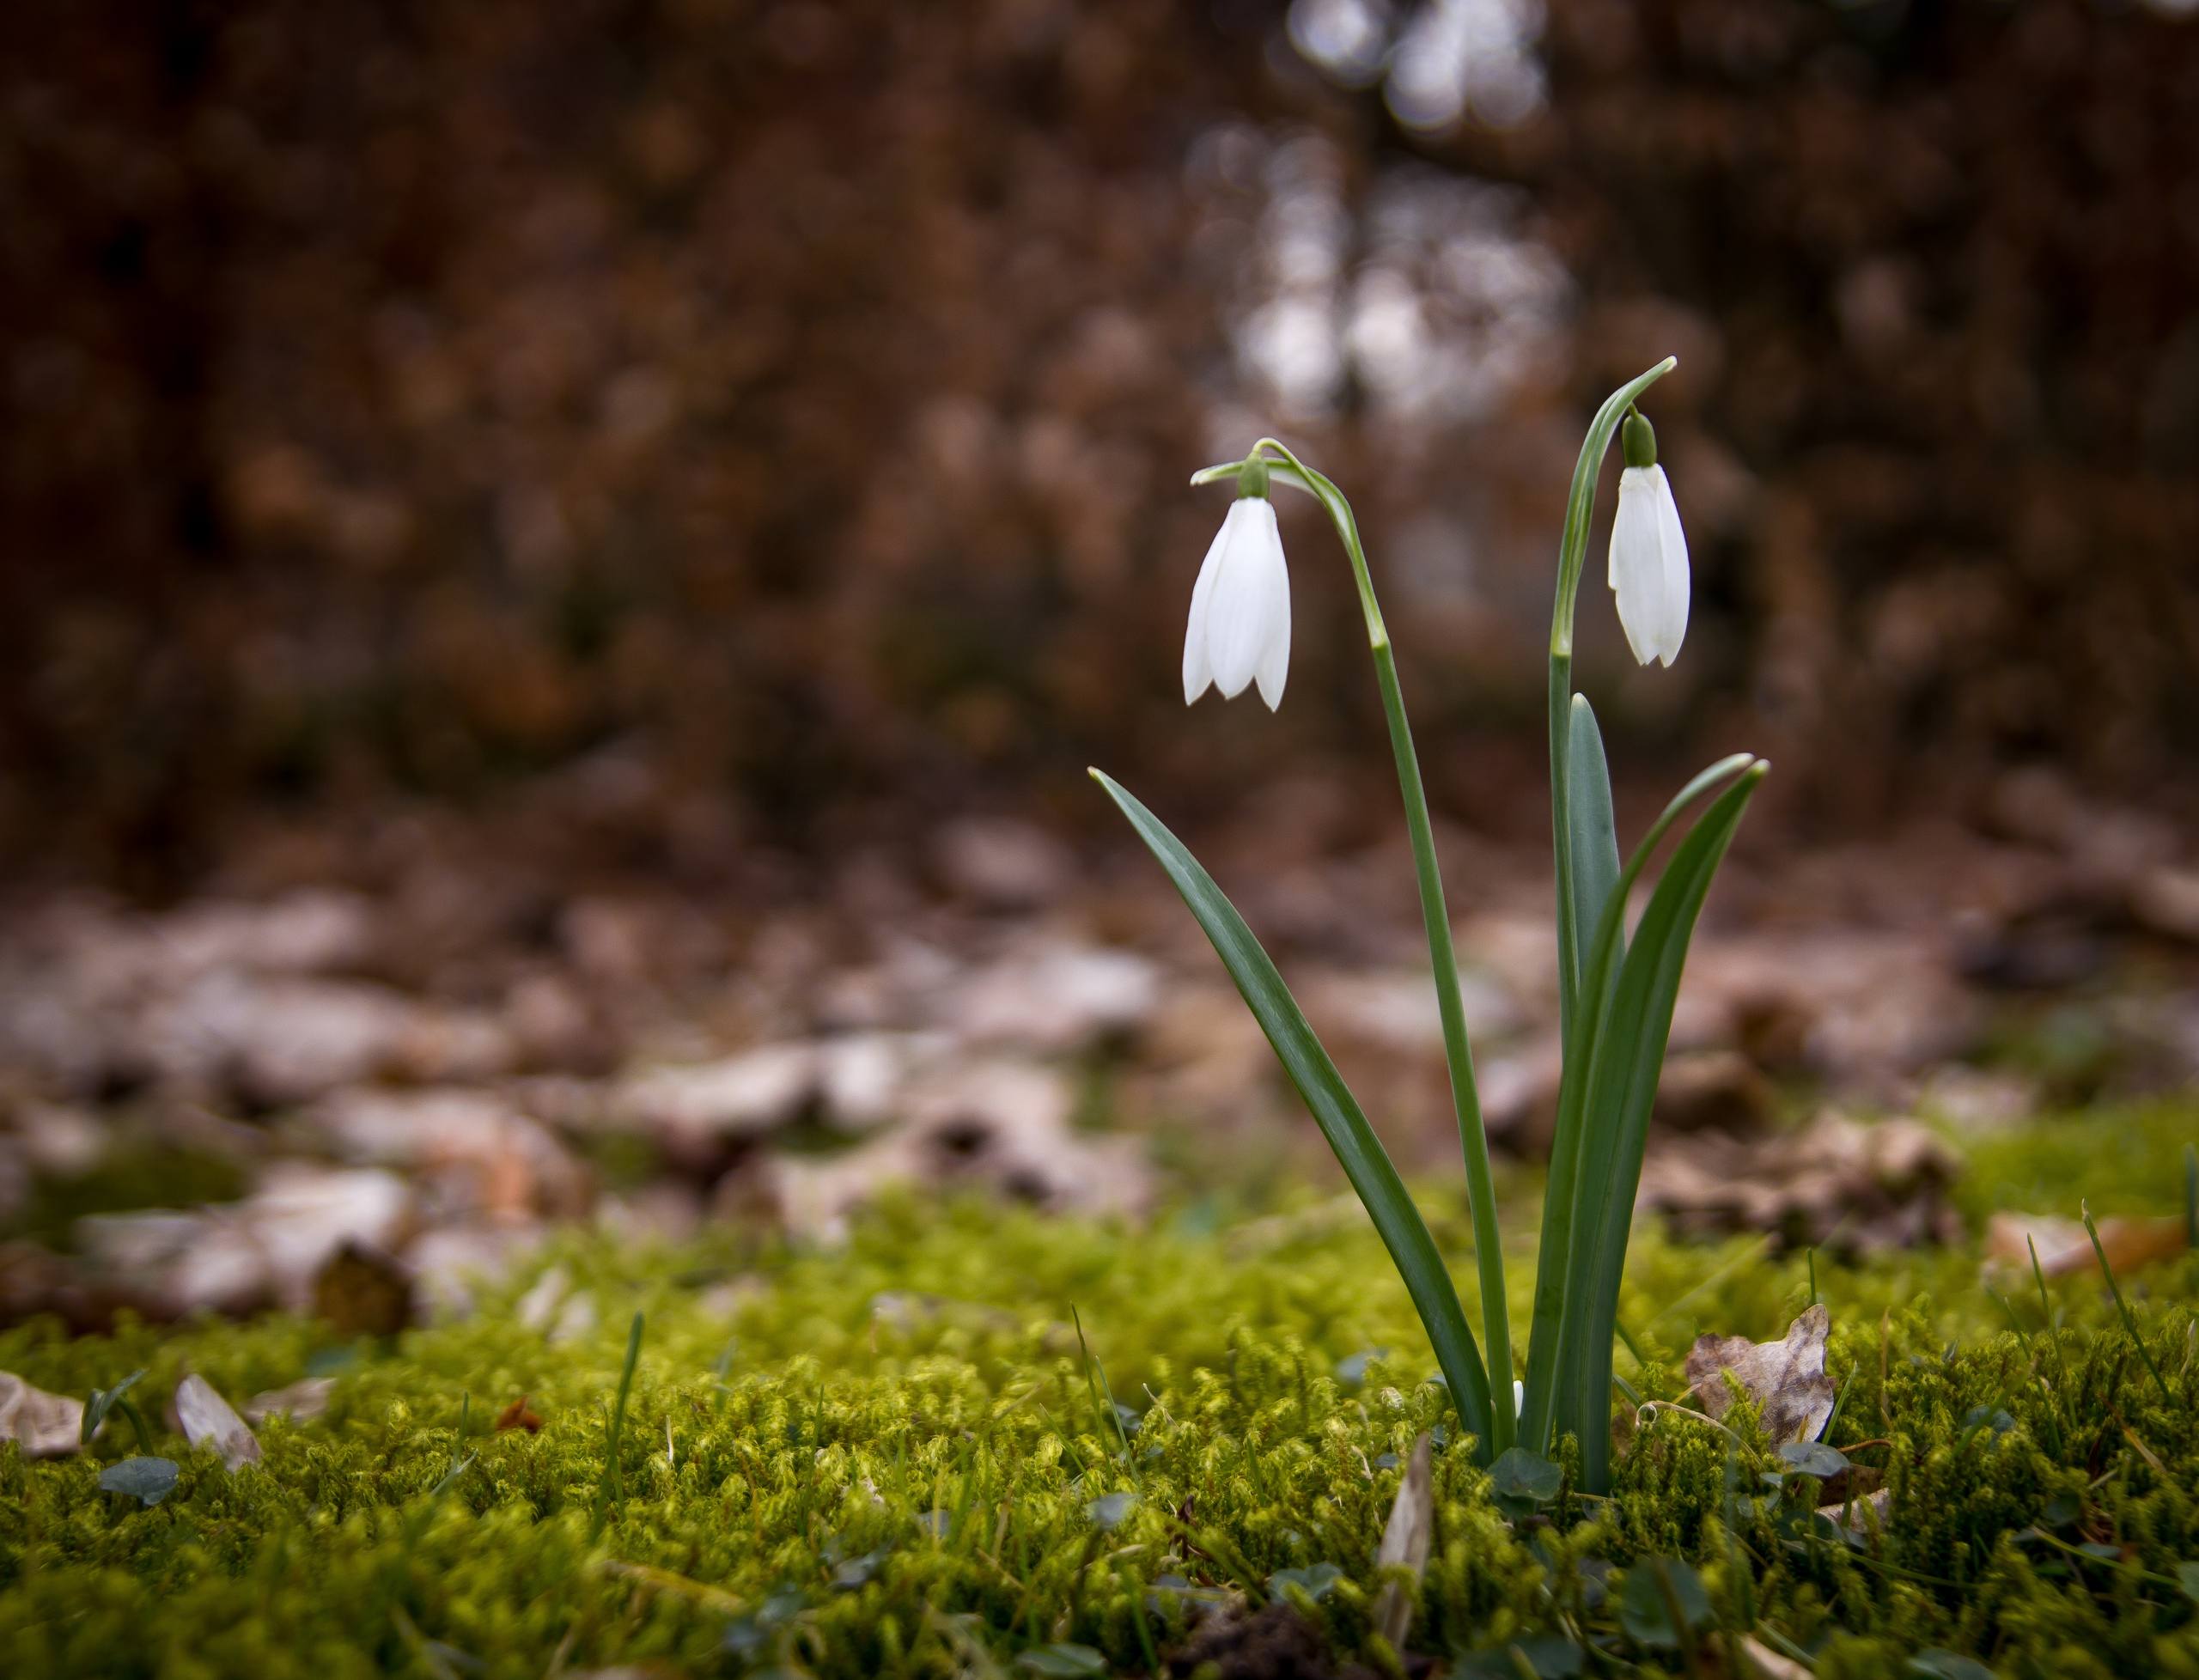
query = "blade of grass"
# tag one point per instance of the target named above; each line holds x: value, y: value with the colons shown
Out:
x: 1335, y: 1111
x: 2129, y: 1321
x: 613, y: 1484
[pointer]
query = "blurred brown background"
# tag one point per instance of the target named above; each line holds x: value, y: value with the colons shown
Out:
x: 778, y: 414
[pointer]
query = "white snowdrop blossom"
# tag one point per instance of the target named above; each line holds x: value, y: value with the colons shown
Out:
x: 1239, y: 629
x: 1648, y: 563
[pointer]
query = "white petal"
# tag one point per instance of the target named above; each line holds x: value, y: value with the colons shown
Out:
x: 1637, y: 568
x: 1250, y: 608
x: 1674, y: 583
x: 1275, y: 664
x: 1198, y: 672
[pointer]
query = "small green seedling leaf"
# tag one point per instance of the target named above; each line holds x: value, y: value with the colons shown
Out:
x: 1814, y: 1458
x: 148, y: 1480
x: 1315, y: 1580
x: 1545, y: 1656
x: 1655, y: 1587
x: 103, y: 1403
x: 1521, y: 1480
x: 2187, y: 1575
x: 1938, y: 1664
x: 1111, y: 1511
x: 1064, y: 1659
x: 857, y: 1572
x: 1978, y: 1418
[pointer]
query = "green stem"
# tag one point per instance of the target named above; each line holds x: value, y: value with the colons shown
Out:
x: 1572, y: 556
x: 1466, y: 1098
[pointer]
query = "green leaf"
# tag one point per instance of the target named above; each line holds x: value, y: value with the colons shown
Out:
x: 150, y: 1480
x: 1545, y: 1656
x: 1814, y: 1458
x: 1316, y: 1580
x: 1655, y: 1588
x: 1937, y: 1664
x: 1595, y: 831
x: 1334, y: 1109
x: 1627, y: 1057
x: 1521, y: 1477
x: 1064, y: 1659
x: 103, y: 1403
x: 1111, y: 1511
x: 1557, y: 1273
x: 2187, y: 1575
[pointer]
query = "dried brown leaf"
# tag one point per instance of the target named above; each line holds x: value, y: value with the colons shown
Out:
x: 1786, y: 1378
x: 518, y: 1416
x: 2063, y: 1247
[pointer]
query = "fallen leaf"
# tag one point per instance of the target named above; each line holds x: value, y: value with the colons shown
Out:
x: 1753, y: 1660
x: 2063, y: 1247
x: 1837, y: 1182
x: 518, y: 1416
x: 360, y: 1291
x: 44, y: 1426
x: 1844, y: 1511
x: 1406, y: 1540
x: 1786, y: 1378
x: 301, y: 1402
x: 206, y: 1419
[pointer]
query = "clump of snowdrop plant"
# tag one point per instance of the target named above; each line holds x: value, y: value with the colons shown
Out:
x: 1617, y: 985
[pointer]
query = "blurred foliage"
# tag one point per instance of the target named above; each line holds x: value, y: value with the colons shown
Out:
x: 783, y: 408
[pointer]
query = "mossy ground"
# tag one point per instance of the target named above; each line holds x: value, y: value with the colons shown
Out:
x: 899, y: 1458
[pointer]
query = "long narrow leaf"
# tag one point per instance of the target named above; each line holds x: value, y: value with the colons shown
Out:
x: 1595, y: 830
x: 1555, y: 1269
x: 1629, y: 1053
x: 1334, y: 1109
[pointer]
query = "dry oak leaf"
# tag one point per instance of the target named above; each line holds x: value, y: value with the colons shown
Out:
x: 1786, y: 1378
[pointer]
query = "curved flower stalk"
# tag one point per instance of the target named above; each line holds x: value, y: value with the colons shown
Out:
x: 1617, y: 991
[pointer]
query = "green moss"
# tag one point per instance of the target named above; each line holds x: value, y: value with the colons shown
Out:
x: 892, y: 1459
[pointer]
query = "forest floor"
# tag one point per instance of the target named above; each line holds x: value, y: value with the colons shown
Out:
x: 1000, y: 1311
x: 965, y: 1441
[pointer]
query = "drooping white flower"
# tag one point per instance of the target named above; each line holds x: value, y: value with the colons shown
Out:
x: 1649, y: 562
x: 1239, y: 629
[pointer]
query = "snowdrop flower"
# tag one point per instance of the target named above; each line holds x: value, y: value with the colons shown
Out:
x: 1648, y: 568
x: 1239, y: 629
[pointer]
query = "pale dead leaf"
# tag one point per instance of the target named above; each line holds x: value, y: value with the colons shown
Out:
x: 1850, y: 1512
x: 301, y: 1402
x: 44, y: 1426
x: 1786, y: 1378
x: 1406, y: 1540
x: 206, y: 1419
x: 1754, y: 1660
